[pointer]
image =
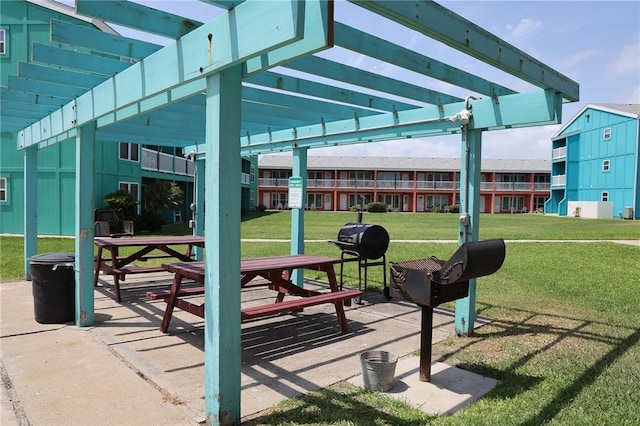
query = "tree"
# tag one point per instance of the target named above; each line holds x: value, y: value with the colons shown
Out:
x: 158, y: 195
x: 124, y: 201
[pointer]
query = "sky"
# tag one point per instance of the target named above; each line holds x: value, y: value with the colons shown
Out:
x: 595, y: 43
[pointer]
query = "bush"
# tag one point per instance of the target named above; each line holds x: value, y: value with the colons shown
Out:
x: 454, y: 208
x: 124, y: 201
x: 377, y: 207
x: 261, y: 208
x: 353, y: 208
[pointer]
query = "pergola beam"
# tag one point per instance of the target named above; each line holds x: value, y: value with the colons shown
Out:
x: 205, y: 51
x: 439, y: 23
x: 134, y: 15
x: 347, y: 74
x: 385, y: 51
x: 100, y: 41
x: 518, y: 110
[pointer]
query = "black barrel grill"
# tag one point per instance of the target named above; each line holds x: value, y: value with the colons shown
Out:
x: 430, y: 282
x: 364, y: 243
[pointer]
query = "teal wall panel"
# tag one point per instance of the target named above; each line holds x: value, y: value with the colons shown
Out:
x: 586, y: 152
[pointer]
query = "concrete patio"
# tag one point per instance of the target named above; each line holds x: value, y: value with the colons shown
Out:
x: 124, y: 371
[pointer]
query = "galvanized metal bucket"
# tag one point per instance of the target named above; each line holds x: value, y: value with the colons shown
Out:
x: 378, y: 370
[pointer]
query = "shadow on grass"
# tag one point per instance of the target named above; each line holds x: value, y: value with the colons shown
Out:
x: 586, y: 347
x: 348, y: 405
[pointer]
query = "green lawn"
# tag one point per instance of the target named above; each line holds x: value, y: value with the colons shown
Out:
x: 564, y: 343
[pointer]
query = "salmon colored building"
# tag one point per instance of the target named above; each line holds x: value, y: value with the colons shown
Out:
x: 405, y: 184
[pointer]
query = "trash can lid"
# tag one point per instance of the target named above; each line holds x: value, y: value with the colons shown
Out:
x: 53, y: 259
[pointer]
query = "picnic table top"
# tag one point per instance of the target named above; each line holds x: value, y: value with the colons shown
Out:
x: 255, y: 264
x: 148, y: 241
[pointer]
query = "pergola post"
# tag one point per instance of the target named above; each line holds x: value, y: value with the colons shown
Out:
x: 222, y: 241
x: 30, y: 206
x: 84, y: 223
x: 299, y: 168
x: 198, y: 200
x: 470, y: 180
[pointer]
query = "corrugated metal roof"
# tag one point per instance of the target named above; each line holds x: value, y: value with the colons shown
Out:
x: 628, y: 108
x: 404, y: 164
x: 631, y: 110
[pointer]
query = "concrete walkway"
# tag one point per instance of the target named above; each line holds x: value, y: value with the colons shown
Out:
x: 123, y: 371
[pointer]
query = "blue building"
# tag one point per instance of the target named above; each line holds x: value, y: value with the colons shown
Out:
x: 595, y: 163
x: 25, y: 39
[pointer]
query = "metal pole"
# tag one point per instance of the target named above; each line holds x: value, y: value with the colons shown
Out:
x: 425, y: 343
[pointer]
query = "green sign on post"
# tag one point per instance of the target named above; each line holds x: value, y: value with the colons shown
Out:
x: 295, y: 193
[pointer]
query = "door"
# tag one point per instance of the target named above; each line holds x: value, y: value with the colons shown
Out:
x: 420, y: 206
x: 327, y: 202
x: 343, y: 202
x: 405, y: 203
x: 496, y: 204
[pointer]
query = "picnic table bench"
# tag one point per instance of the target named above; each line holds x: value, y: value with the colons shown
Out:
x: 120, y: 266
x: 273, y: 272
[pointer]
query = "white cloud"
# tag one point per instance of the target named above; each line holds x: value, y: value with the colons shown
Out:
x: 526, y: 143
x: 628, y: 60
x: 523, y: 30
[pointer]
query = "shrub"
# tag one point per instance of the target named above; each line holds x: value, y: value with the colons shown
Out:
x: 353, y: 208
x: 454, y: 208
x: 124, y: 201
x: 377, y: 207
x: 261, y: 208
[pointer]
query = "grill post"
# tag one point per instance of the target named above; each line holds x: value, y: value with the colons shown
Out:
x: 425, y: 343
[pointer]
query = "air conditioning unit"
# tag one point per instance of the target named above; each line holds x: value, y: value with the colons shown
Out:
x: 628, y: 213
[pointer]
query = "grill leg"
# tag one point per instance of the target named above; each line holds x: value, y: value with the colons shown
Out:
x: 425, y: 343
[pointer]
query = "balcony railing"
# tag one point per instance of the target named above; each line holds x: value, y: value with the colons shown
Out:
x: 162, y: 162
x: 395, y: 184
x: 420, y: 185
x: 559, y: 180
x: 437, y: 185
x: 513, y: 186
x: 542, y: 186
x: 559, y: 153
x: 321, y: 183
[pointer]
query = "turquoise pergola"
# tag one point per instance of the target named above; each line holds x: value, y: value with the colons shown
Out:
x: 251, y: 82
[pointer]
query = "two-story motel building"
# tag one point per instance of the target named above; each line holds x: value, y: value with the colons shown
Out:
x: 405, y: 184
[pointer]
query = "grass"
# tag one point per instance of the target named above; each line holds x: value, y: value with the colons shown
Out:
x: 564, y: 343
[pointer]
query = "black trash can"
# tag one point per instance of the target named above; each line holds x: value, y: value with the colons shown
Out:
x: 53, y: 285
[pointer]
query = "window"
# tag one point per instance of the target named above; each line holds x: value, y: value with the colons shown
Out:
x: 133, y: 188
x: 538, y: 203
x: 606, y: 165
x: 279, y: 200
x: 512, y: 204
x: 438, y: 202
x: 314, y: 201
x: 607, y: 134
x: 3, y: 190
x: 3, y: 41
x: 129, y: 151
x: 605, y: 196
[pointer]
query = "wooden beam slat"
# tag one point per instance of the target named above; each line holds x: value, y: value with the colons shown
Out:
x: 137, y: 16
x: 441, y: 24
x: 76, y: 35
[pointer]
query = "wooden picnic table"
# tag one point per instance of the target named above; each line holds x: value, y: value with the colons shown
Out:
x: 119, y: 266
x: 274, y: 272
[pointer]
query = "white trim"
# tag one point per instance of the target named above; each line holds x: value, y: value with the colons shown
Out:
x: 4, y: 189
x: 596, y: 107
